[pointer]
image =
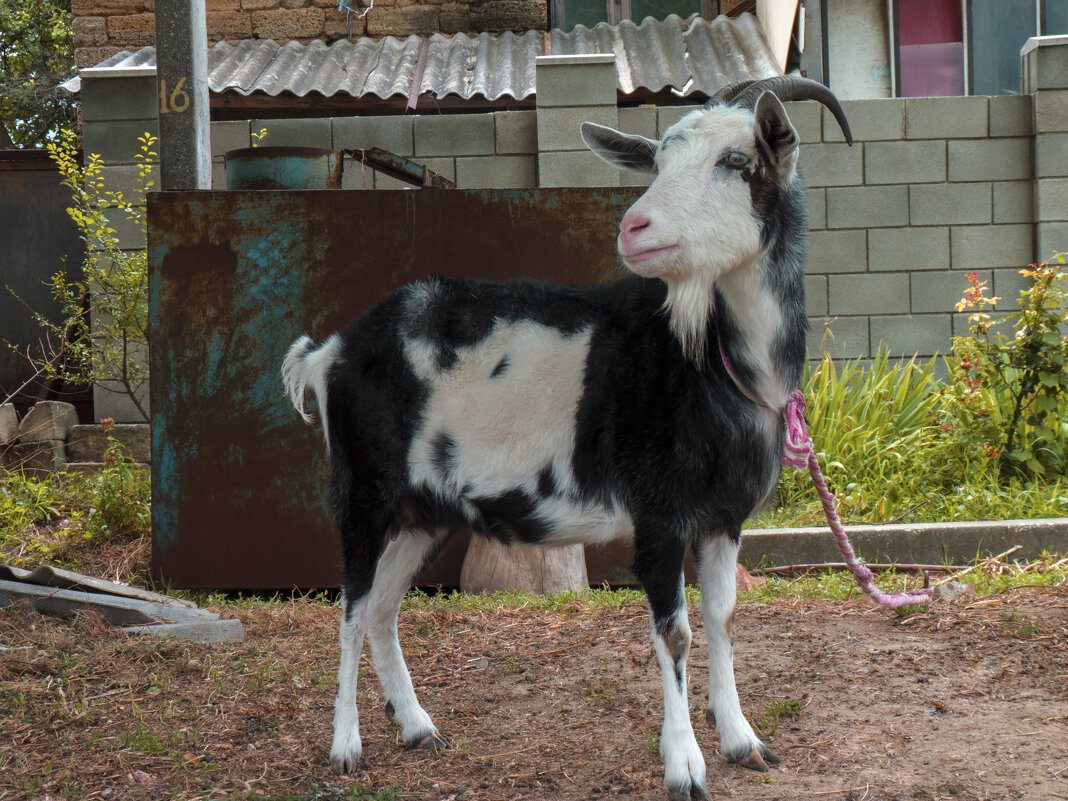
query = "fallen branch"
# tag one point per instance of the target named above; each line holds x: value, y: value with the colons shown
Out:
x: 844, y: 566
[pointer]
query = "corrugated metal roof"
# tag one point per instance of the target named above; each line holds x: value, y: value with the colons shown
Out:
x: 691, y: 57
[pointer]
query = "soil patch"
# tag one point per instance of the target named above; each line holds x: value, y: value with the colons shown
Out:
x: 951, y: 703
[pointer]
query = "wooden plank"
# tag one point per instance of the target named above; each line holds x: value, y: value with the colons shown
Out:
x: 115, y: 609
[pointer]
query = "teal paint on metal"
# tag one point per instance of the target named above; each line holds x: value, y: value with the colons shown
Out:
x: 283, y: 168
x: 240, y: 484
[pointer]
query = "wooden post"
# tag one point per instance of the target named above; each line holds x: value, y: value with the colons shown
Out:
x: 491, y: 566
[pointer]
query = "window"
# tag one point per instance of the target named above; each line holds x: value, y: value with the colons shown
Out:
x: 566, y: 14
x: 956, y: 47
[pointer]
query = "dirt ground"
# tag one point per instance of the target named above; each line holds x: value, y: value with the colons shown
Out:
x: 952, y: 703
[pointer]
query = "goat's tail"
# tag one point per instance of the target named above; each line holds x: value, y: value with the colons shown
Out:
x: 306, y: 367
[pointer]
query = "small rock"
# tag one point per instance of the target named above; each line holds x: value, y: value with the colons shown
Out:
x: 748, y: 582
x: 953, y: 592
x: 48, y: 420
x: 9, y: 424
x: 36, y: 458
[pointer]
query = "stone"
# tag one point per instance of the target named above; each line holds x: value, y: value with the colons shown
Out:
x: 90, y: 31
x: 87, y: 443
x: 953, y: 592
x: 132, y: 31
x: 9, y: 424
x: 498, y: 16
x: 36, y: 458
x: 46, y: 421
x: 746, y: 581
x: 284, y: 24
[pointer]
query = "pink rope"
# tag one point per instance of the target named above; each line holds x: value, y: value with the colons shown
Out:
x: 799, y: 453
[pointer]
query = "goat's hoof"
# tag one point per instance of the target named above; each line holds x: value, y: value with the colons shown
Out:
x: 430, y: 742
x: 757, y: 758
x: 692, y: 792
x: 344, y: 763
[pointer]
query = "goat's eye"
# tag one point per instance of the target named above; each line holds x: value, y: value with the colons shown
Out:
x: 736, y: 159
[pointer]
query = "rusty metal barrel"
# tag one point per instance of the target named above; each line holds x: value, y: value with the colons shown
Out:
x: 283, y: 168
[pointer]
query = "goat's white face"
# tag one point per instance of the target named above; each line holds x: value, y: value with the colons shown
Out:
x: 701, y: 218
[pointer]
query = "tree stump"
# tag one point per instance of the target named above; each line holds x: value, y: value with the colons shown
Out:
x: 490, y: 566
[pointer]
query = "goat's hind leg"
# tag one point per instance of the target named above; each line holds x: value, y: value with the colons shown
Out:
x: 717, y: 570
x: 347, y: 748
x: 398, y: 566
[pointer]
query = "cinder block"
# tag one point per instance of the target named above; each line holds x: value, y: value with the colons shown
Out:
x: 949, y: 204
x: 393, y: 133
x: 88, y: 442
x: 990, y: 159
x: 832, y: 165
x: 584, y: 80
x: 1011, y: 115
x: 962, y: 325
x: 9, y: 424
x: 517, y: 131
x: 48, y: 420
x: 1051, y: 199
x: 126, y: 179
x: 493, y: 172
x: 868, y: 206
x: 977, y: 246
x: 666, y: 116
x: 227, y: 135
x: 106, y: 99
x: 575, y: 168
x: 355, y: 175
x: 558, y: 128
x: 837, y: 252
x: 839, y: 337
x: 218, y: 174
x: 869, y: 120
x: 806, y: 116
x: 454, y: 135
x: 640, y: 120
x: 869, y: 293
x: 1051, y: 155
x: 940, y: 291
x: 128, y: 232
x: 1014, y: 202
x: 1045, y: 64
x: 905, y: 162
x: 307, y: 132
x: 945, y: 117
x: 1051, y: 111
x: 920, y: 334
x: 1007, y: 286
x: 634, y: 178
x: 1050, y: 238
x: 35, y: 458
x: 111, y: 400
x: 446, y: 167
x: 817, y: 209
x: 816, y: 295
x: 117, y: 141
x: 908, y: 249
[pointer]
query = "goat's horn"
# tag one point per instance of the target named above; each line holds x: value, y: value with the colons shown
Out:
x: 793, y: 87
x: 727, y: 93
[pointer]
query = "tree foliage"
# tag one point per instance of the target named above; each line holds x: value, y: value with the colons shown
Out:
x: 36, y: 55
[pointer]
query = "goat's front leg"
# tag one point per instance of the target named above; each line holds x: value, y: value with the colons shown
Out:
x: 717, y: 570
x: 347, y: 747
x: 661, y: 574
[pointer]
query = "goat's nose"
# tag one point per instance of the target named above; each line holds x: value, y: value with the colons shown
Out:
x: 633, y: 223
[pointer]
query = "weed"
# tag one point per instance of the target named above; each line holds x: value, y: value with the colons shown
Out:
x: 652, y: 743
x: 766, y: 722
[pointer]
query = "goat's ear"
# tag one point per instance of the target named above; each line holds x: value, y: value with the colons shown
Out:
x: 774, y: 127
x: 626, y: 151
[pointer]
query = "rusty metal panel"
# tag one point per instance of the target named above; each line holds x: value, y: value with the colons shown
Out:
x: 240, y: 484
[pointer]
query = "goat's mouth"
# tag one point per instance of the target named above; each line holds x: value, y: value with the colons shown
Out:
x: 640, y: 255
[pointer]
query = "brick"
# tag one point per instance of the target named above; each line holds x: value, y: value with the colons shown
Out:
x: 9, y: 424
x: 454, y: 135
x: 105, y: 99
x: 116, y: 141
x: 942, y: 204
x: 91, y: 56
x: 1014, y: 201
x: 227, y: 135
x: 227, y: 25
x: 1007, y: 285
x: 310, y: 132
x: 905, y: 162
x: 832, y: 165
x: 401, y: 22
x: 575, y: 168
x: 260, y: 5
x: 284, y: 24
x: 454, y: 18
x: 641, y: 121
x: 106, y: 8
x: 132, y: 31
x: 867, y: 206
x: 920, y: 334
x: 976, y: 246
x: 496, y: 172
x: 940, y: 291
x: 945, y: 117
x: 869, y: 120
x: 1051, y: 155
x: 1051, y: 199
x: 837, y: 252
x: 516, y: 131
x: 1010, y: 115
x: 816, y: 295
x: 806, y: 116
x: 573, y: 81
x: 817, y: 209
x: 392, y: 133
x: 908, y: 249
x: 1050, y: 238
x: 498, y: 16
x: 47, y: 420
x: 90, y: 31
x: 847, y: 338
x: 558, y: 128
x: 336, y: 25
x: 869, y: 293
x: 990, y: 159
x: 1051, y: 111
x: 666, y: 116
x: 1046, y: 65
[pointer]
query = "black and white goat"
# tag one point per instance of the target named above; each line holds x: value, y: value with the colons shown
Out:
x: 539, y: 413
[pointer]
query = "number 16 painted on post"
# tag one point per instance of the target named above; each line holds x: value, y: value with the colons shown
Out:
x: 178, y: 100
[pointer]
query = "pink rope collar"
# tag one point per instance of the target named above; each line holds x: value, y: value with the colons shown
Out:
x: 799, y: 453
